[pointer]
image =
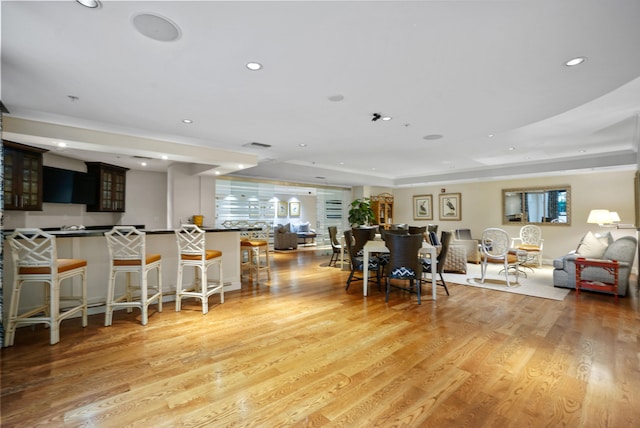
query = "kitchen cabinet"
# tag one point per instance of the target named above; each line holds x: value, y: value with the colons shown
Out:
x: 111, y: 187
x: 22, y: 177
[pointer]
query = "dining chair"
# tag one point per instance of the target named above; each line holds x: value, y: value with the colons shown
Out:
x: 335, y: 245
x: 404, y: 264
x: 531, y: 241
x: 427, y: 265
x: 415, y: 230
x: 128, y: 255
x: 362, y: 235
x: 357, y: 261
x: 495, y: 248
x: 192, y: 252
x: 35, y: 260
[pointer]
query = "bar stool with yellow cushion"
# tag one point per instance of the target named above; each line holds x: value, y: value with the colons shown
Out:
x: 35, y: 260
x: 127, y: 254
x: 253, y: 246
x: 192, y: 252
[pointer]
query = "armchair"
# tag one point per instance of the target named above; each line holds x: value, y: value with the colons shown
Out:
x: 462, y: 237
x: 284, y: 239
x: 623, y: 250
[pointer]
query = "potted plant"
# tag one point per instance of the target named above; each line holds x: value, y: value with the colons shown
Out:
x: 360, y: 213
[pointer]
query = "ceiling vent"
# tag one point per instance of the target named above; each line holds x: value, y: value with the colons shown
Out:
x: 257, y: 145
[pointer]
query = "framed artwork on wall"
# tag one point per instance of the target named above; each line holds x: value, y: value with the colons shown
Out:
x: 423, y: 207
x: 450, y: 206
x: 294, y: 209
x: 282, y: 209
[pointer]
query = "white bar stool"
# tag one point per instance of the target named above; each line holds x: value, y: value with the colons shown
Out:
x: 127, y: 254
x: 253, y: 247
x: 35, y: 260
x: 192, y: 252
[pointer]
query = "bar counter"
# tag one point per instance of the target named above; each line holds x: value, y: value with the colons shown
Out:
x: 91, y: 245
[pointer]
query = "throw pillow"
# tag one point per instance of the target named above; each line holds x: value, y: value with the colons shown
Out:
x: 304, y: 227
x: 592, y: 247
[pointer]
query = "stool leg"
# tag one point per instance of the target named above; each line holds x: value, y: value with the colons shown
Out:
x: 179, y: 287
x: 221, y: 282
x: 143, y: 297
x: 85, y: 308
x: 13, y: 313
x: 160, y: 287
x: 203, y: 290
x: 108, y: 313
x: 54, y: 312
x: 266, y: 249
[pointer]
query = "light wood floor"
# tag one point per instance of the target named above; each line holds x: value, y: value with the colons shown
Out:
x: 300, y: 351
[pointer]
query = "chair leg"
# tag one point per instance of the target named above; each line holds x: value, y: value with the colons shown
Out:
x: 54, y: 312
x: 203, y: 289
x: 386, y: 299
x: 349, y: 279
x: 419, y: 288
x: 13, y: 314
x: 444, y: 284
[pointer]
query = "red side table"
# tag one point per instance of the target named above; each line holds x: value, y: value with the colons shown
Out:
x: 611, y: 266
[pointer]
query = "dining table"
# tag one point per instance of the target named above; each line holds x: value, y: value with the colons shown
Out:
x: 378, y: 246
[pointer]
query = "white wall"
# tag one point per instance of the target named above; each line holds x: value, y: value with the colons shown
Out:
x: 146, y: 199
x: 482, y: 206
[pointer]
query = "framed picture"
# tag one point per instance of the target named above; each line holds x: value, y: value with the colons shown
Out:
x: 450, y: 206
x: 294, y: 209
x: 422, y: 207
x: 282, y: 209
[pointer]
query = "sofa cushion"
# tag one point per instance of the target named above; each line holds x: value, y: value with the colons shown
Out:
x: 592, y: 247
x: 303, y: 227
x: 284, y: 228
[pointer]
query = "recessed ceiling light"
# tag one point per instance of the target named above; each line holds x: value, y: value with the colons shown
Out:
x: 386, y: 118
x: 165, y: 157
x: 582, y: 151
x: 92, y: 4
x: 490, y: 135
x: 336, y: 98
x: 254, y: 66
x: 512, y: 149
x: 432, y: 137
x: 217, y: 172
x: 341, y: 163
x: 143, y: 163
x: 187, y: 121
x: 62, y: 144
x: 240, y: 166
x: 302, y: 145
x: 575, y: 61
x: 156, y: 27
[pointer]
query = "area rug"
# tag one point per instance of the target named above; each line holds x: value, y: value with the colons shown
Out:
x: 538, y: 283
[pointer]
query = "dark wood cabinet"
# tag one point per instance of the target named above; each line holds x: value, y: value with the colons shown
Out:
x: 111, y: 188
x: 22, y: 177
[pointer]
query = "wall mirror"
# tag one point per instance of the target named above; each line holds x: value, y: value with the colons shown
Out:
x: 547, y: 205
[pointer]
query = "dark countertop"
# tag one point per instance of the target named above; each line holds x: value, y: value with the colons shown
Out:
x: 100, y: 230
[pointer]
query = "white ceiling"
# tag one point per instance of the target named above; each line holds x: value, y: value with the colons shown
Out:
x: 462, y: 69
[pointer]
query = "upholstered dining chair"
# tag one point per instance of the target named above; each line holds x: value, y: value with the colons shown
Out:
x: 357, y: 261
x: 531, y: 241
x: 427, y: 265
x: 35, y: 260
x: 404, y: 263
x: 495, y: 248
x: 362, y: 235
x: 336, y: 247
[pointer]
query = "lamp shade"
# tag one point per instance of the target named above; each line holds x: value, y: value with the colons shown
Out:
x: 615, y: 218
x: 599, y: 217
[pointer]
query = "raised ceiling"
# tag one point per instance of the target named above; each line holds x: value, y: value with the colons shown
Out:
x: 489, y: 76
